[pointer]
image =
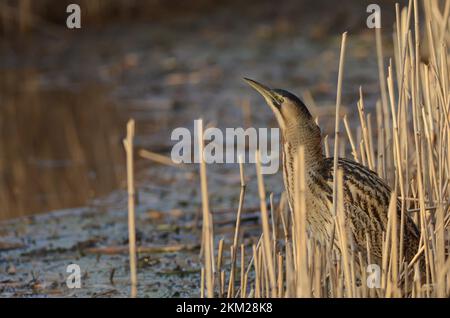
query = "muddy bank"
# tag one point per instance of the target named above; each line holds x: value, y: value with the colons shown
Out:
x: 36, y: 251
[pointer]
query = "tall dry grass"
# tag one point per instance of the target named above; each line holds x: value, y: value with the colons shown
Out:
x: 128, y: 145
x: 407, y: 144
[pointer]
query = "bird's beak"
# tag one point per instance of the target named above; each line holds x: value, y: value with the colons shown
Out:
x: 269, y: 95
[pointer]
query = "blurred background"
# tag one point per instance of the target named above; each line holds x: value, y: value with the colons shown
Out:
x: 65, y: 95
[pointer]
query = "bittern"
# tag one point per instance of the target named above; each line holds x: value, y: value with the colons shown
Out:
x: 366, y: 196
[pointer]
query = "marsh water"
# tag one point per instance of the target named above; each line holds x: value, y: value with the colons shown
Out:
x: 67, y: 94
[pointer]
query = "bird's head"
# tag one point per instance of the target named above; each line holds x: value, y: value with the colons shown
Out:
x: 295, y: 121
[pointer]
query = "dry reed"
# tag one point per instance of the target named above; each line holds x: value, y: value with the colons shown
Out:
x: 128, y: 144
x: 408, y: 147
x: 207, y: 233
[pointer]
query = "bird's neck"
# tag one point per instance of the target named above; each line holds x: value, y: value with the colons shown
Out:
x: 312, y: 142
x: 314, y: 162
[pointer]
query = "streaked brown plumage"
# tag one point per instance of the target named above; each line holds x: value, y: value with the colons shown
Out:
x: 366, y: 196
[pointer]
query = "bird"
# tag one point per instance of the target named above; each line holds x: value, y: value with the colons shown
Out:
x: 366, y: 196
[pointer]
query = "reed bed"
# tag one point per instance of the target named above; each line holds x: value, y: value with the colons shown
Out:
x: 406, y: 141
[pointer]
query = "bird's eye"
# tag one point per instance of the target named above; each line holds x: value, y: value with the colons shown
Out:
x: 279, y: 100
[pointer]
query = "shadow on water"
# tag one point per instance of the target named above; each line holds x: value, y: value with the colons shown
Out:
x: 59, y: 147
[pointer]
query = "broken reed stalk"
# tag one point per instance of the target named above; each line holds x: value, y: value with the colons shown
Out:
x: 350, y: 139
x: 257, y: 272
x: 207, y: 232
x: 280, y: 282
x: 158, y: 158
x: 343, y: 232
x: 300, y: 235
x: 128, y: 144
x: 202, y: 282
x: 267, y: 246
x: 336, y: 130
x: 382, y: 82
x: 237, y: 230
x: 365, y: 130
x: 219, y: 268
x: 326, y: 146
x: 243, y: 273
